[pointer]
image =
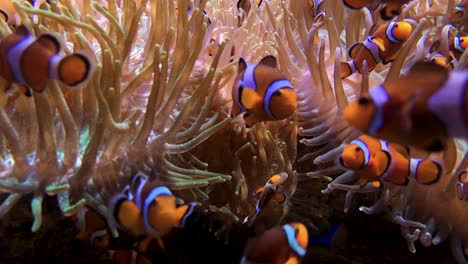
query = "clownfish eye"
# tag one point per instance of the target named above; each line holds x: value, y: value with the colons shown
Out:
x: 357, y: 149
x: 363, y: 101
x: 277, y: 93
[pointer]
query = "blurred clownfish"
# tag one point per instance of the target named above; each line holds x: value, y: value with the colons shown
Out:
x: 92, y: 227
x: 145, y: 209
x: 421, y: 109
x: 382, y: 45
x: 126, y: 256
x: 271, y: 190
x: 8, y: 12
x: 317, y: 10
x: 31, y: 62
x: 245, y: 5
x: 262, y: 92
x: 462, y: 186
x: 440, y: 59
x: 376, y: 160
x: 278, y: 245
x: 461, y: 10
x: 390, y: 8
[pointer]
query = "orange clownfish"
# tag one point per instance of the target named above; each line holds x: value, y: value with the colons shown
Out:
x: 376, y: 160
x: 31, y: 62
x: 382, y: 45
x: 278, y: 245
x: 92, y: 226
x: 390, y: 8
x: 421, y: 109
x: 461, y: 10
x: 317, y: 10
x: 146, y: 209
x: 462, y: 186
x: 271, y: 190
x: 126, y: 256
x: 458, y: 46
x: 262, y: 92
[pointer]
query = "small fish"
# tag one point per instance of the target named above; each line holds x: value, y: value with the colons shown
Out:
x: 126, y: 256
x: 376, y: 160
x: 389, y: 10
x: 317, y: 10
x: 8, y: 12
x: 149, y: 210
x: 243, y: 9
x: 262, y: 92
x: 285, y: 244
x: 31, y: 62
x: 271, y: 190
x: 421, y: 109
x: 458, y: 45
x: 443, y: 61
x: 462, y: 186
x: 382, y: 45
x: 92, y: 226
x: 461, y: 10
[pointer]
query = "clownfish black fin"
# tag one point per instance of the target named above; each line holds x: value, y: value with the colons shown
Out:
x: 50, y: 42
x: 3, y: 15
x: 74, y: 69
x: 22, y: 30
x: 389, y: 11
x: 269, y: 60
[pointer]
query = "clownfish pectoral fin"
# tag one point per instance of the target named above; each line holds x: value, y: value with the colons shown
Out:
x: 354, y: 50
x: 49, y: 42
x: 260, y: 190
x: 346, y: 69
x: 269, y: 60
x: 363, y: 182
x: 74, y: 69
x: 24, y: 90
x: 250, y: 99
x: 279, y: 197
x: 292, y: 260
x: 380, y: 43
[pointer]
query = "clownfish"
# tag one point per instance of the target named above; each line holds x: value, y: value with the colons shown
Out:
x: 31, y: 62
x: 460, y: 9
x: 262, y: 92
x: 278, y: 245
x: 245, y: 5
x: 462, y: 186
x: 271, y: 190
x: 390, y: 8
x: 382, y: 45
x: 146, y: 209
x: 441, y: 60
x: 317, y: 10
x: 126, y: 256
x: 376, y: 160
x: 421, y: 109
x: 92, y: 226
x: 458, y: 45
x: 8, y: 12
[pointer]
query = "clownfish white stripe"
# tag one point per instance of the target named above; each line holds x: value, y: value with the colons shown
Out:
x: 373, y: 48
x: 414, y: 165
x: 249, y: 78
x: 380, y: 97
x: 14, y: 56
x: 384, y: 145
x: 138, y: 192
x: 361, y: 144
x: 390, y: 34
x: 96, y: 234
x: 192, y: 206
x: 442, y: 101
x: 160, y: 190
x: 292, y: 241
x: 273, y: 88
x: 111, y: 212
x: 54, y: 63
x: 457, y: 44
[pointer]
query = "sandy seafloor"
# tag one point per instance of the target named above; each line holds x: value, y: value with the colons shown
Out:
x: 361, y: 239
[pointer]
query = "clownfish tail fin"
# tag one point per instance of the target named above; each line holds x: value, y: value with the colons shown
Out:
x: 425, y: 171
x: 74, y: 69
x: 347, y: 68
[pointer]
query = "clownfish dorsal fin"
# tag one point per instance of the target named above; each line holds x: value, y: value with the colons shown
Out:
x: 49, y: 42
x: 380, y: 43
x: 250, y: 98
x: 269, y: 60
x: 354, y: 50
x: 22, y: 30
x: 242, y: 65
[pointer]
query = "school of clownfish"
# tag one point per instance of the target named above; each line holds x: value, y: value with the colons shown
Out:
x: 421, y: 109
